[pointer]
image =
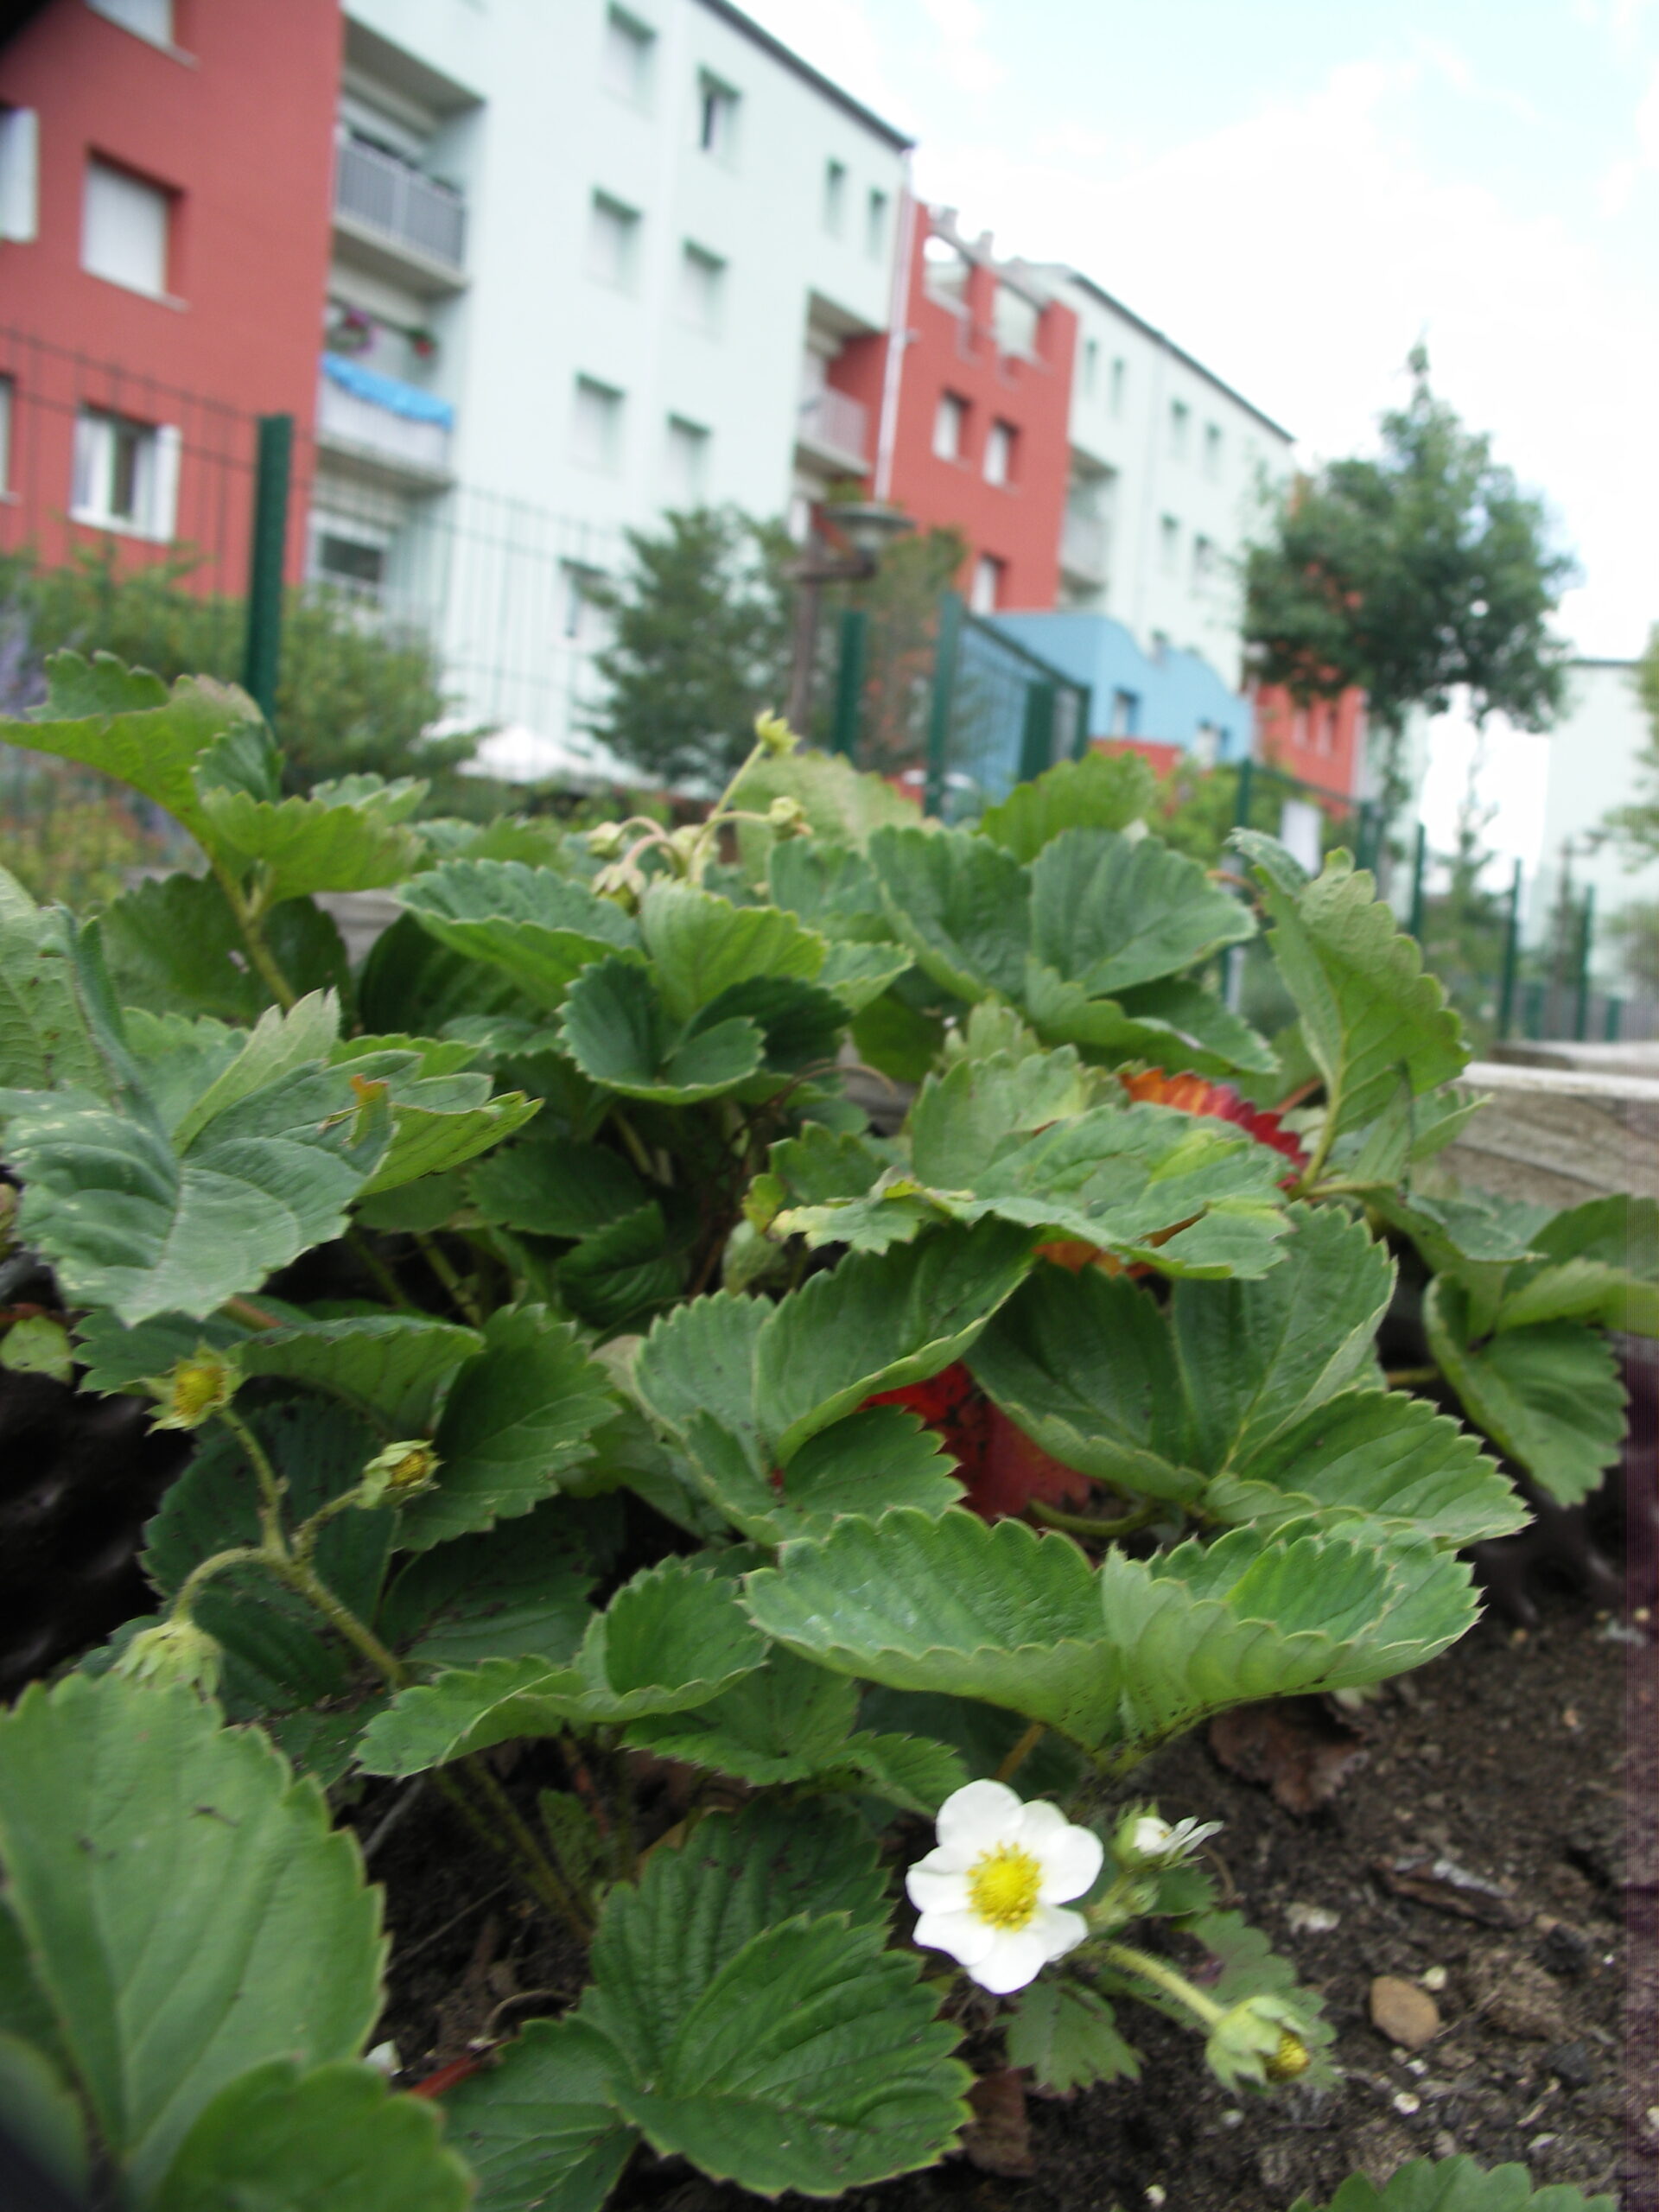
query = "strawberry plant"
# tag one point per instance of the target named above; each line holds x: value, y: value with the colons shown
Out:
x: 574, y: 1361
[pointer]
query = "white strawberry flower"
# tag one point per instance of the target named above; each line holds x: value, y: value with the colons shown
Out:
x: 990, y: 1892
x: 1143, y: 1839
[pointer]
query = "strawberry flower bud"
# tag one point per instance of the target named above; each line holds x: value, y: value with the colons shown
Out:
x: 194, y: 1390
x: 1258, y: 2041
x: 775, y: 734
x: 1142, y: 1839
x: 175, y: 1651
x: 400, y: 1473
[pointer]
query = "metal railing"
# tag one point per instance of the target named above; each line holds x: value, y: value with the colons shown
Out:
x: 408, y: 207
x: 416, y: 448
x: 836, y: 422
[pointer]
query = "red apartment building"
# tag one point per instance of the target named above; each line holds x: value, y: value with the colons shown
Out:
x: 165, y: 171
x: 1322, y: 743
x: 973, y: 395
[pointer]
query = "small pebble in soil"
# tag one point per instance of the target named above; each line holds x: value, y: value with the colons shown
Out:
x: 1157, y: 2195
x: 1310, y: 1919
x: 1434, y: 1979
x: 1406, y: 2102
x: 1404, y: 2013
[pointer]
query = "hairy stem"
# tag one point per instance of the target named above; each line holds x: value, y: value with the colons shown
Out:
x: 521, y: 1845
x: 1020, y: 1751
x: 303, y: 1578
x: 205, y: 1570
x: 1127, y: 1959
x: 270, y: 1488
x: 250, y: 923
x: 630, y: 1137
x: 386, y: 1282
x: 439, y: 1261
x: 1081, y: 1524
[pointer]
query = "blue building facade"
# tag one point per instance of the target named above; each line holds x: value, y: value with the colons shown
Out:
x: 1168, y: 697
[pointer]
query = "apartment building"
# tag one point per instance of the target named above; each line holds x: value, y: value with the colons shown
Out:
x: 164, y: 181
x: 592, y: 261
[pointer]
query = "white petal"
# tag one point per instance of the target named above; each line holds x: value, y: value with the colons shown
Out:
x: 1152, y: 1836
x: 978, y: 1817
x: 1069, y: 1858
x: 966, y: 1937
x: 1057, y: 1931
x: 950, y: 1858
x: 932, y: 1889
x: 1016, y: 1958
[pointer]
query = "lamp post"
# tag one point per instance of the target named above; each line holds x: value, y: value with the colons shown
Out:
x: 868, y: 527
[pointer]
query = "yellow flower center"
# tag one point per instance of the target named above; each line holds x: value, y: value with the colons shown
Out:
x: 198, y: 1388
x: 1002, y: 1887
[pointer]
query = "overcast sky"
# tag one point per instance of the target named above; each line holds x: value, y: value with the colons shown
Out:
x: 1297, y: 190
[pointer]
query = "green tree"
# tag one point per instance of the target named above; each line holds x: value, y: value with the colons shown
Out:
x: 699, y: 646
x: 352, y: 697
x: 1421, y: 572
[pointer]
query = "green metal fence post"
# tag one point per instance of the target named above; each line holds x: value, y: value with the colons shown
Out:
x: 1511, y: 954
x: 1037, y: 735
x: 262, y: 651
x: 850, y: 682
x: 1612, y: 1020
x: 1587, y: 933
x: 1419, y: 869
x: 1241, y: 796
x: 944, y: 686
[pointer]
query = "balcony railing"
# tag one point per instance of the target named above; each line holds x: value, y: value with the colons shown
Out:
x: 406, y: 208
x: 834, y: 423
x: 1083, y: 541
x: 398, y: 426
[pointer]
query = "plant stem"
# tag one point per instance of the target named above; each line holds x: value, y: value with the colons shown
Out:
x: 251, y: 925
x: 1399, y: 1378
x: 630, y: 1137
x: 204, y: 1569
x: 254, y: 1316
x: 438, y: 1260
x: 270, y: 1489
x: 388, y: 1283
x: 1162, y: 1976
x: 300, y: 1576
x: 1080, y: 1524
x: 1021, y: 1750
x: 522, y: 1846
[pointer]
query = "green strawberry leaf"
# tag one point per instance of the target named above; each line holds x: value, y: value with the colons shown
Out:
x: 174, y: 946
x: 548, y: 1185
x: 1068, y: 2036
x: 1368, y: 1014
x: 1548, y: 1395
x: 1457, y: 2185
x: 288, y: 2142
x: 303, y: 845
x: 537, y: 2127
x: 541, y: 929
x: 619, y: 1034
x: 495, y: 1596
x: 1108, y: 912
x: 120, y: 1807
x: 672, y: 1638
x: 1104, y: 791
x: 44, y: 1041
x: 701, y: 945
x: 960, y: 903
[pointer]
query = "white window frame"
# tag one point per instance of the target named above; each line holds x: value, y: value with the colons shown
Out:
x: 8, y: 416
x: 691, y: 441
x: 1169, y: 543
x: 876, y: 206
x: 92, y: 188
x: 121, y: 12
x: 952, y: 409
x: 609, y: 463
x: 154, y: 513
x: 1212, y: 451
x: 986, y: 588
x: 1180, y: 423
x: 708, y: 291
x: 625, y: 34
x: 1000, y: 442
x: 1120, y: 382
x: 582, y: 619
x: 613, y: 230
x: 718, y: 103
x: 20, y: 174
x: 349, y: 532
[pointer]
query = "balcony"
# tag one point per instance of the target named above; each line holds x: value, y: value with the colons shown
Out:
x: 1083, y: 543
x: 387, y: 430
x: 836, y: 427
x: 394, y: 221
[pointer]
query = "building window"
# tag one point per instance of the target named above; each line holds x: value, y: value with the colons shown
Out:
x: 875, y: 225
x: 1212, y: 449
x: 688, y: 464
x: 123, y: 231
x: 151, y: 19
x: 626, y: 66
x: 6, y: 390
x: 834, y: 197
x: 1204, y: 563
x: 716, y: 119
x: 126, y: 475
x: 1180, y: 416
x: 1169, y: 543
x: 1017, y: 320
x: 1090, y: 367
x: 702, y: 286
x: 949, y: 427
x: 945, y: 271
x: 985, y: 592
x: 999, y: 453
x: 1126, y: 714
x: 613, y: 242
x: 596, y: 425
x: 1120, y: 385
x: 20, y: 170
x: 349, y: 560
x: 581, y: 615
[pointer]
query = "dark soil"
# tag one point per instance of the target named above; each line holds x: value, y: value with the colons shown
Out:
x: 1506, y: 1756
